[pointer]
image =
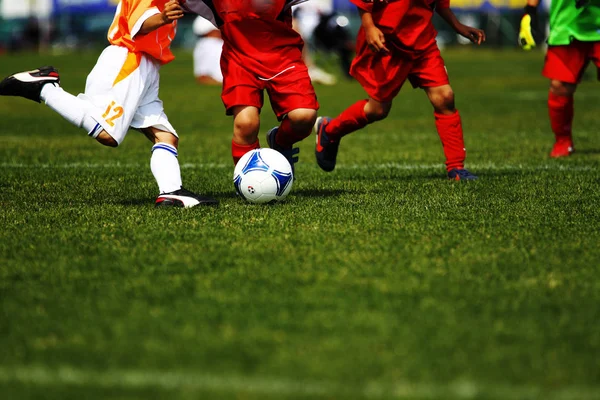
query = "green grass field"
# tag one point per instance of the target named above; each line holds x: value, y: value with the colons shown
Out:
x: 381, y: 280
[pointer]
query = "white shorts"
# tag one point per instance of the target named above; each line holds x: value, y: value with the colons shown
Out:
x: 207, y: 58
x: 123, y: 90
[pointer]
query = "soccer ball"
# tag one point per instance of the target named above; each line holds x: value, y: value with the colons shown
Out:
x: 263, y: 176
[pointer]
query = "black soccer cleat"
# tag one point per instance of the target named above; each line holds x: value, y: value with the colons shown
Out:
x: 326, y: 150
x: 185, y: 199
x: 29, y: 84
x: 291, y: 154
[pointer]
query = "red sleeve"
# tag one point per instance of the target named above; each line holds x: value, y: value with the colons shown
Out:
x: 363, y: 5
x: 443, y: 4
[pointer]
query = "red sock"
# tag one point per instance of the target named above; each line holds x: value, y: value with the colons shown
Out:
x: 450, y: 130
x: 351, y: 119
x: 560, y: 109
x: 238, y: 150
x: 287, y: 135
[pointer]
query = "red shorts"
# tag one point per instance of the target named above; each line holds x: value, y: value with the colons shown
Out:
x: 288, y: 90
x: 383, y: 74
x: 567, y: 63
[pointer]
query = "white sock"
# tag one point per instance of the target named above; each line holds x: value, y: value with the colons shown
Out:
x: 71, y: 108
x: 165, y: 167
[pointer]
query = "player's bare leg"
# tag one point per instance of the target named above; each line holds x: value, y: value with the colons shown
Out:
x: 330, y: 131
x: 301, y: 122
x: 295, y: 126
x: 449, y: 128
x: 442, y: 99
x: 377, y: 110
x: 43, y: 85
x: 560, y: 110
x: 107, y: 140
x: 246, y: 124
x: 165, y: 168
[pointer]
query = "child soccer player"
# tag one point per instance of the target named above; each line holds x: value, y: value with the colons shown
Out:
x: 574, y: 41
x: 122, y: 91
x: 262, y: 52
x: 396, y: 42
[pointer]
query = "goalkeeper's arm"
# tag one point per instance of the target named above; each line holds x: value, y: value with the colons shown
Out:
x: 528, y: 25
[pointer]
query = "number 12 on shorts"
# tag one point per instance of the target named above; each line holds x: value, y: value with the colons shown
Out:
x: 112, y: 113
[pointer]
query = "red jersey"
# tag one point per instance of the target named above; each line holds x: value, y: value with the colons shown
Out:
x: 129, y: 18
x: 258, y: 34
x: 406, y: 24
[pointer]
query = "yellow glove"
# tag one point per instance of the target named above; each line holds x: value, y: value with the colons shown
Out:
x: 525, y: 36
x: 528, y: 28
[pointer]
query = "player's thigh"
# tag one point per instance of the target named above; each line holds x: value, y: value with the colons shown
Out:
x: 291, y: 91
x: 429, y: 70
x: 151, y: 117
x: 115, y: 88
x: 240, y: 87
x: 566, y: 63
x: 381, y: 75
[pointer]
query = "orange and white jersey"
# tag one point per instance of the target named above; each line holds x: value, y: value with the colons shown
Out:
x: 129, y: 18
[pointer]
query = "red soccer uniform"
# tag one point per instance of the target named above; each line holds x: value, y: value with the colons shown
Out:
x: 262, y: 51
x: 410, y: 37
x: 567, y: 63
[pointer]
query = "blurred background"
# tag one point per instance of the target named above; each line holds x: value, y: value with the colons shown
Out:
x: 68, y: 25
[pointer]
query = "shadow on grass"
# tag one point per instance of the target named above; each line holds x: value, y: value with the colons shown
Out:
x: 579, y: 150
x: 315, y: 193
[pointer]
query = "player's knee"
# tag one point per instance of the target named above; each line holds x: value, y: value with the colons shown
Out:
x: 105, y: 139
x: 377, y: 113
x: 443, y: 100
x: 303, y: 117
x: 246, y: 125
x: 562, y: 88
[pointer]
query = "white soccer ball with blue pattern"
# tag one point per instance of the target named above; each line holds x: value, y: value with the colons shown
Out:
x: 263, y: 176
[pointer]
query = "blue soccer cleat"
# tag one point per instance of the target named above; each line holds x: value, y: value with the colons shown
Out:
x: 461, y: 175
x: 326, y: 150
x: 291, y: 154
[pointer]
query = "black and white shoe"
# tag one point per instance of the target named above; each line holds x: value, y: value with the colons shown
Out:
x: 29, y: 84
x: 185, y: 199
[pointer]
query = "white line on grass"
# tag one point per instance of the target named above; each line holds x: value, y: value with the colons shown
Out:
x: 365, y: 166
x: 273, y: 386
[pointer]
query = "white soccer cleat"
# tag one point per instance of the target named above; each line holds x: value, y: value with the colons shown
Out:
x: 29, y: 84
x: 185, y: 199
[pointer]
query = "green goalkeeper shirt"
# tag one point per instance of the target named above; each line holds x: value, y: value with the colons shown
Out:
x: 569, y: 22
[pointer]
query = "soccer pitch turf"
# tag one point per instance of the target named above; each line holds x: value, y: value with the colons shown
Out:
x: 380, y: 280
